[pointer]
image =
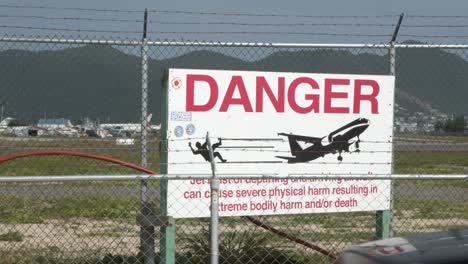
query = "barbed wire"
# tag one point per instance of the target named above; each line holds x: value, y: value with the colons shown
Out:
x: 102, y: 149
x: 190, y: 163
x: 222, y: 22
x: 271, y: 15
x: 72, y: 18
x: 433, y: 26
x: 70, y: 29
x: 69, y: 8
x: 235, y: 23
x: 196, y: 32
x: 273, y: 24
x: 156, y: 140
x: 410, y: 16
x: 14, y: 6
x: 161, y: 22
x: 271, y: 139
x: 135, y: 149
x: 432, y: 36
x: 270, y: 33
x: 280, y: 151
x: 276, y: 161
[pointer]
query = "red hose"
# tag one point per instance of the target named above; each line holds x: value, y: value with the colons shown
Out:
x: 145, y: 170
x: 77, y: 154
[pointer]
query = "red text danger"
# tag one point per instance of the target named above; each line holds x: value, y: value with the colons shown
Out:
x: 302, y: 95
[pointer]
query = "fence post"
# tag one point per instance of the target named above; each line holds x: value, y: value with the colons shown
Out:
x: 146, y: 232
x: 167, y: 233
x: 384, y: 218
x: 214, y: 205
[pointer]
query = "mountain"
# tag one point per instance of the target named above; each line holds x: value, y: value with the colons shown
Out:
x: 94, y: 81
x: 103, y: 82
x: 432, y: 79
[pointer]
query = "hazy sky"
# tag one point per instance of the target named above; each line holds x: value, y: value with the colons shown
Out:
x: 300, y: 23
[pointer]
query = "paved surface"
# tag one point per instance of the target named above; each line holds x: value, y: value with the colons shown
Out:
x: 431, y: 146
x: 411, y: 191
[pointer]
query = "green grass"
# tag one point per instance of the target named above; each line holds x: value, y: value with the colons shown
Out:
x: 14, y: 210
x: 438, y: 163
x: 433, y: 209
x: 48, y: 255
x: 11, y: 237
x: 71, y: 165
x: 67, y: 165
x: 431, y: 162
x: 104, y: 233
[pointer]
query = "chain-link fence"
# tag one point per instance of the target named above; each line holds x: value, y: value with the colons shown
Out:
x: 84, y: 107
x: 84, y: 221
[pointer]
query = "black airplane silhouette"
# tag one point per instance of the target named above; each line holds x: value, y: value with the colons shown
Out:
x: 337, y: 142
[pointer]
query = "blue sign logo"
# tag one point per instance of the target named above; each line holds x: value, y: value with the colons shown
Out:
x: 179, y: 131
x: 190, y: 129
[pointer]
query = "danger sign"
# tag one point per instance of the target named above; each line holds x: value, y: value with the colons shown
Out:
x: 279, y: 123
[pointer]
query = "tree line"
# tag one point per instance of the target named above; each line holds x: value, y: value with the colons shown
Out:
x: 455, y: 124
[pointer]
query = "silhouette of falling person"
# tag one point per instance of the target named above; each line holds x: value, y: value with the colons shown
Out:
x: 203, y: 150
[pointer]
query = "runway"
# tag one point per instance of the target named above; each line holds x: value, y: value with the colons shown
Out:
x: 428, y: 145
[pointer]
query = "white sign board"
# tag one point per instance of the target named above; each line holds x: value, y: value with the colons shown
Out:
x: 279, y: 123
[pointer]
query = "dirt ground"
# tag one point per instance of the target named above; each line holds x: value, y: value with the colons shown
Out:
x: 84, y: 237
